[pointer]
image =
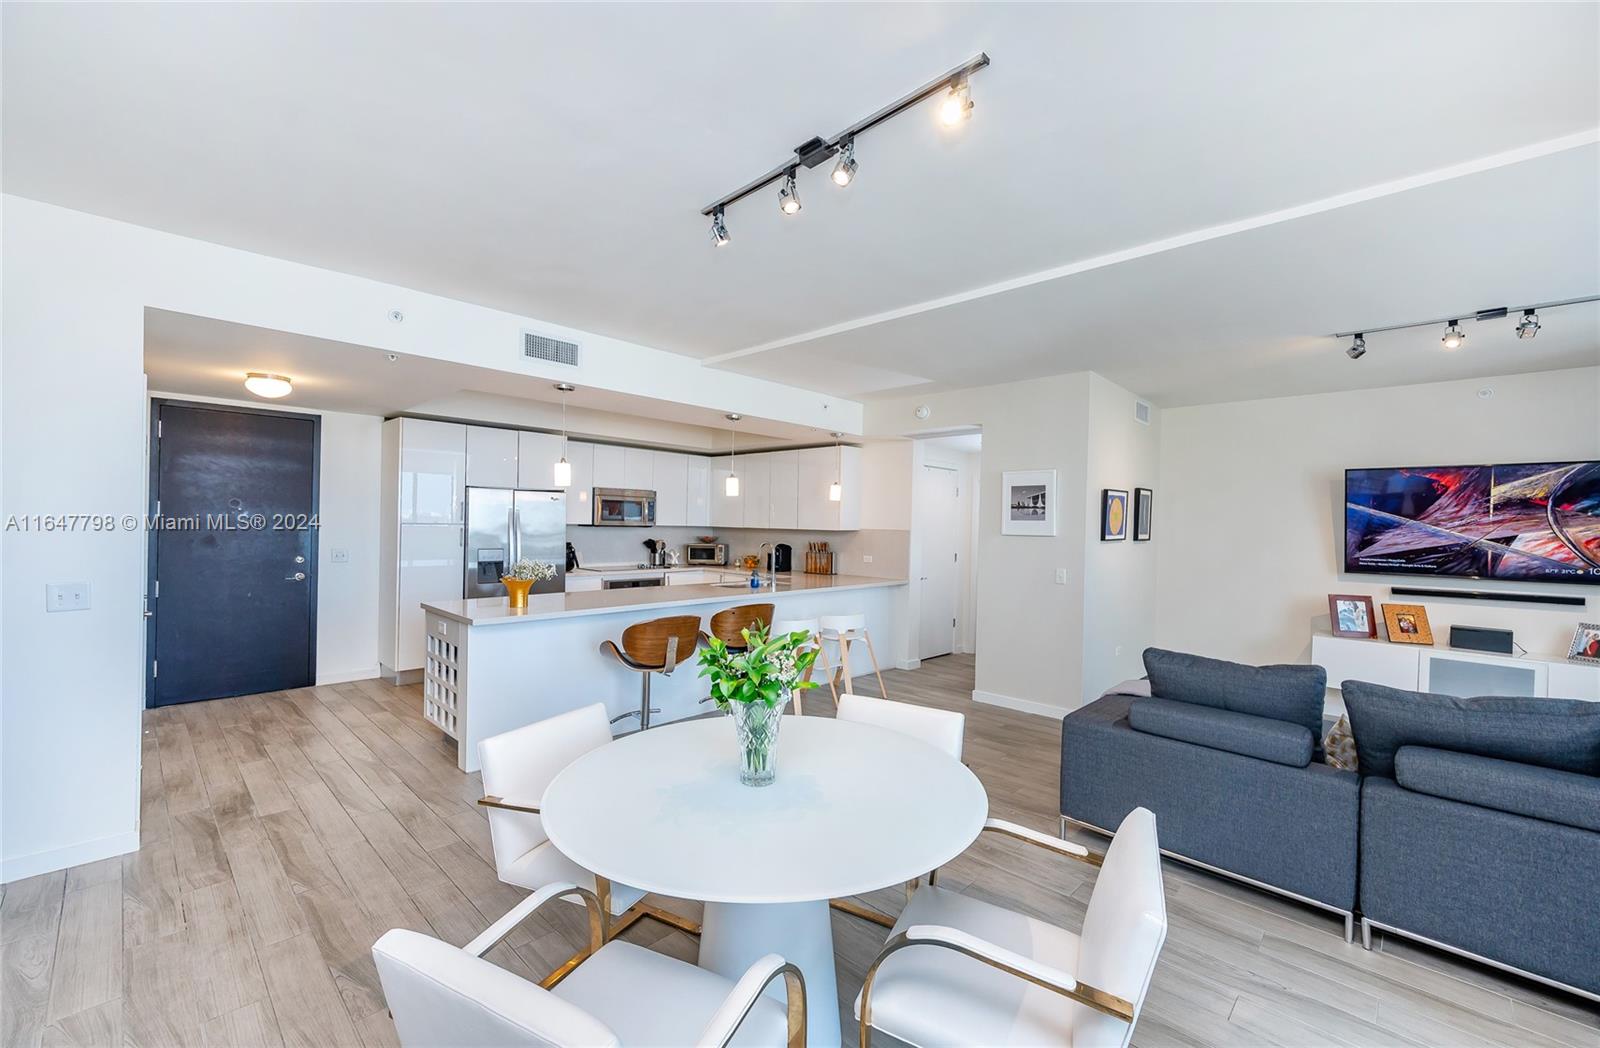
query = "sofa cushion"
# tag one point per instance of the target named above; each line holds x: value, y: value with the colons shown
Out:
x: 1553, y: 733
x: 1261, y: 737
x: 1286, y: 693
x: 1521, y: 789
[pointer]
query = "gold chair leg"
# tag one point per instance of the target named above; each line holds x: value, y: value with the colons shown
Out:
x: 549, y: 981
x: 640, y: 910
x: 866, y: 913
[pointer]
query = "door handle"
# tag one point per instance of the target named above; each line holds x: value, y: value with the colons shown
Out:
x: 298, y: 576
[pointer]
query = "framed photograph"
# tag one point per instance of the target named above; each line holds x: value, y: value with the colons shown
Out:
x: 1143, y: 501
x: 1350, y: 615
x: 1029, y: 505
x: 1407, y: 623
x: 1585, y: 643
x: 1113, y: 515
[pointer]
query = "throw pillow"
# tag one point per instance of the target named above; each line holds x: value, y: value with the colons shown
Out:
x: 1286, y: 693
x: 1339, y: 745
x: 1552, y: 733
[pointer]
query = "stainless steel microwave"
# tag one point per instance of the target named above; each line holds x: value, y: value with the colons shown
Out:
x: 705, y: 553
x: 624, y: 508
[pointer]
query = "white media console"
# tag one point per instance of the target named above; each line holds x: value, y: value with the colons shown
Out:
x: 1451, y: 671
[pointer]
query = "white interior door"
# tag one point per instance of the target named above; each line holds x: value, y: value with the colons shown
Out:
x: 940, y: 527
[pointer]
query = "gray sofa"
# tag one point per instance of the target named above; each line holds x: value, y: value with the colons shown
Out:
x: 1480, y: 827
x: 1229, y: 759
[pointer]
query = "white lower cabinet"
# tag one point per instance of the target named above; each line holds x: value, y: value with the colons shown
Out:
x: 693, y: 578
x: 583, y: 583
x: 431, y: 567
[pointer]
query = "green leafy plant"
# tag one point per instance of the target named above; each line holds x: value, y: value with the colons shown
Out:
x: 767, y: 671
x: 535, y: 570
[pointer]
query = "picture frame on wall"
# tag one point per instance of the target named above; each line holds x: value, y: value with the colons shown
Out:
x: 1029, y: 503
x: 1407, y: 624
x: 1113, y: 515
x: 1143, y: 505
x: 1585, y: 643
x: 1351, y: 615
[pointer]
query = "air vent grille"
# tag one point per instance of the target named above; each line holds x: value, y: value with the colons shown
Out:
x: 550, y: 350
x: 1141, y: 412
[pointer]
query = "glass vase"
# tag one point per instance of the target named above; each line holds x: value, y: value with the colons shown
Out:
x: 756, y: 726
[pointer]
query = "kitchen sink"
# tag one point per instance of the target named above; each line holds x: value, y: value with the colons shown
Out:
x: 745, y: 584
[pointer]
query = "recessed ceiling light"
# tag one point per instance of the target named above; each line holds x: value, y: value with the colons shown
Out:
x: 1453, y: 336
x: 264, y: 384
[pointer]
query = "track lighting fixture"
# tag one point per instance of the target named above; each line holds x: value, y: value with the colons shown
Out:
x: 730, y: 486
x: 1528, y: 326
x: 955, y: 108
x: 789, y: 196
x: 844, y: 172
x: 563, y: 471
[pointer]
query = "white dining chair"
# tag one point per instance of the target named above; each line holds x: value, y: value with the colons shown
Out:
x: 941, y: 729
x: 442, y: 996
x: 844, y: 630
x: 959, y: 971
x: 812, y: 628
x: 517, y: 767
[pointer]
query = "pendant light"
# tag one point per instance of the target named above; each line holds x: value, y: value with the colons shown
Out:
x: 730, y: 487
x: 836, y: 490
x: 563, y: 476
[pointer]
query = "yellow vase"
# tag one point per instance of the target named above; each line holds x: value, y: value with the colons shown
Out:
x: 517, y: 591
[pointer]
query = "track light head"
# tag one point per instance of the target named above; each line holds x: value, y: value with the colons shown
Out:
x: 957, y: 104
x: 719, y: 229
x: 789, y: 195
x: 844, y: 172
x: 1453, y: 336
x: 1358, y: 347
x: 1528, y: 326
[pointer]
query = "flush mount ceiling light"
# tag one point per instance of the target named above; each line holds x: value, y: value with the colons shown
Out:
x: 1526, y: 328
x: 265, y: 384
x: 954, y: 109
x: 563, y: 471
x: 730, y: 486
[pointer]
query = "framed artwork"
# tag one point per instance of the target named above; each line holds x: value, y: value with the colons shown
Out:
x: 1143, y: 502
x: 1350, y: 615
x: 1585, y: 643
x: 1113, y: 515
x: 1029, y: 505
x: 1407, y: 623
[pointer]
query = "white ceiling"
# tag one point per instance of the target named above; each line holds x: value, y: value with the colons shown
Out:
x: 552, y: 160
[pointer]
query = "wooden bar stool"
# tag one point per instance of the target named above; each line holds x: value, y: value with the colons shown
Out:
x: 842, y: 630
x: 727, y: 624
x: 812, y: 628
x: 656, y: 646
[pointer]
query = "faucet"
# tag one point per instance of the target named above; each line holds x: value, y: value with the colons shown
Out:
x: 772, y: 569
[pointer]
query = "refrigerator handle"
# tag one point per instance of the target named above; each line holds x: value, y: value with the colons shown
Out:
x: 511, y: 540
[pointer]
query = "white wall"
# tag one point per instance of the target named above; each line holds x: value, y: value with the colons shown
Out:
x: 1248, y: 513
x: 1119, y: 577
x: 75, y: 291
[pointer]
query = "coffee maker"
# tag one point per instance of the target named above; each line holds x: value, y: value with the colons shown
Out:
x: 782, y: 557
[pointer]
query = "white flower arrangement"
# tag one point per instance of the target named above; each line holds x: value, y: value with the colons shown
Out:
x: 532, y: 570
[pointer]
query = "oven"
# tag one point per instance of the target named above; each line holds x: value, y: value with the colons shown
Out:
x: 705, y: 553
x: 624, y: 508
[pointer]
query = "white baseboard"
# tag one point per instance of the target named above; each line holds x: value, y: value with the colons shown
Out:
x: 908, y: 664
x: 346, y: 676
x: 15, y: 869
x: 1011, y: 702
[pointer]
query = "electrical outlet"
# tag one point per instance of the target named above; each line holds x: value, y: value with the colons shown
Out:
x: 1119, y: 650
x: 66, y: 596
x: 866, y: 558
x: 341, y: 556
x: 1061, y: 576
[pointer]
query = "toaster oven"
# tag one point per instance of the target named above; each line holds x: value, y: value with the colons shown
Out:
x: 706, y: 553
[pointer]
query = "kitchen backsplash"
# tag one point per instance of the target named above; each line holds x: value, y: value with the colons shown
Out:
x: 889, y: 550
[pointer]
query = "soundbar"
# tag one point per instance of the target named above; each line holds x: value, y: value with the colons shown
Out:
x: 1514, y: 598
x: 1482, y: 638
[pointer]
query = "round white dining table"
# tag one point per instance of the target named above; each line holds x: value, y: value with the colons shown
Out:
x: 855, y: 808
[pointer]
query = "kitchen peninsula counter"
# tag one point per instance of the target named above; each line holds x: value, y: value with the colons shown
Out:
x: 490, y: 668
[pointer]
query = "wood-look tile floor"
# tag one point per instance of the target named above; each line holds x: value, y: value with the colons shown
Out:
x: 282, y: 833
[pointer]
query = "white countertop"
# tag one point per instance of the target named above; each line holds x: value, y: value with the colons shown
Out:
x: 492, y: 611
x: 645, y: 569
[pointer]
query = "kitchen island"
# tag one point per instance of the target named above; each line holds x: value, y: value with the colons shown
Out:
x: 491, y: 668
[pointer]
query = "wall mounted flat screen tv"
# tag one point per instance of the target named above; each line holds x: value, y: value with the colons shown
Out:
x: 1527, y: 522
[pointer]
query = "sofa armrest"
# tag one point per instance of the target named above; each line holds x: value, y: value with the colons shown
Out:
x: 1563, y: 797
x: 1245, y: 734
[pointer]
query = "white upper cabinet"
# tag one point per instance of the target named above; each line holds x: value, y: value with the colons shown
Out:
x: 433, y: 471
x: 697, y: 513
x: 537, y: 454
x: 608, y: 467
x: 756, y: 488
x: 639, y: 469
x: 491, y: 457
x: 850, y: 478
x: 784, y: 501
x: 819, y: 468
x: 579, y: 509
x: 672, y: 489
x: 726, y: 511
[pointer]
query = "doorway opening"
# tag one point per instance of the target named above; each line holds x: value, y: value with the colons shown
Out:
x: 945, y: 472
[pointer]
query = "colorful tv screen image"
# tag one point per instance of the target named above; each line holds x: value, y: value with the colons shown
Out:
x: 1530, y: 522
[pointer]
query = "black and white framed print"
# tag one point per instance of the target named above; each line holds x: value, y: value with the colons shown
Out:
x: 1029, y: 505
x: 1143, y: 502
x: 1113, y: 515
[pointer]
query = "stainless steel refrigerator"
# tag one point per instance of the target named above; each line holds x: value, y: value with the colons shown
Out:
x: 505, y: 526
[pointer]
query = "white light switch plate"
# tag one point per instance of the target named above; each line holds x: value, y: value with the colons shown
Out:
x: 1061, y: 576
x: 66, y: 596
x: 341, y: 556
x: 866, y: 558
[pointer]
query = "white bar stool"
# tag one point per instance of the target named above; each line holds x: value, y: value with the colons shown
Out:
x: 812, y: 628
x: 842, y: 630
